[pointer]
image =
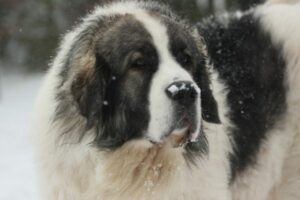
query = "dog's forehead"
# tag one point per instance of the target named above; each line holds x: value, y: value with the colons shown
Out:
x: 126, y: 28
x: 133, y: 29
x: 166, y: 31
x: 144, y: 24
x: 139, y: 20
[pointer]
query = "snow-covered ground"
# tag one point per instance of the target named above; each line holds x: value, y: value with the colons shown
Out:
x: 17, y: 174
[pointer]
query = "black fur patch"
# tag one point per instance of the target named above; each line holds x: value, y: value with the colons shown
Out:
x: 112, y: 95
x: 126, y: 114
x: 253, y: 70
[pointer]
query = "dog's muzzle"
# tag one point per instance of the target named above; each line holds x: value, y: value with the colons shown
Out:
x: 185, y: 127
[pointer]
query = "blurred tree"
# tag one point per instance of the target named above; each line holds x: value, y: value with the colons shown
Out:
x: 246, y: 4
x: 187, y: 8
x: 30, y: 30
x: 30, y: 34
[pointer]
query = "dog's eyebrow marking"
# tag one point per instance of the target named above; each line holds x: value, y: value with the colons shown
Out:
x: 158, y: 32
x: 160, y: 37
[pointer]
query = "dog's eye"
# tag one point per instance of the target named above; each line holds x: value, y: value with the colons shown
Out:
x: 184, y: 58
x: 139, y: 62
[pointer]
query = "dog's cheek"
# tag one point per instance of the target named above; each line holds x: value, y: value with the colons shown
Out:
x: 209, y: 106
x: 201, y: 75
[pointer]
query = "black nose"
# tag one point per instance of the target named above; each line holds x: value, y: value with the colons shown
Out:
x: 183, y: 92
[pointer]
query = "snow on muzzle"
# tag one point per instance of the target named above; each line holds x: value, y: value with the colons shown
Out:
x: 186, y: 123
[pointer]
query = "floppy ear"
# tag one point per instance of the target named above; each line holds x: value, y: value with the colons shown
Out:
x: 88, y: 88
x: 92, y: 90
x: 209, y: 105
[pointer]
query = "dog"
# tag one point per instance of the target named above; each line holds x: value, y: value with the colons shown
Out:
x: 255, y: 54
x: 140, y: 104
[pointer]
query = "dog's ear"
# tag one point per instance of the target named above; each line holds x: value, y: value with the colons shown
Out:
x: 93, y: 91
x: 88, y: 87
x: 209, y: 105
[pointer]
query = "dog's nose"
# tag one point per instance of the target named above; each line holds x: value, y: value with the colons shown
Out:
x: 183, y: 92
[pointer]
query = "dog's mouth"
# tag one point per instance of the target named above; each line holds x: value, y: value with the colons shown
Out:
x: 183, y: 132
x: 179, y: 137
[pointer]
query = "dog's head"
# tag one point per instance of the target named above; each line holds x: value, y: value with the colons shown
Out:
x: 135, y: 70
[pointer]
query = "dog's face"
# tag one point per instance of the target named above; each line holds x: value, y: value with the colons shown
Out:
x: 140, y: 75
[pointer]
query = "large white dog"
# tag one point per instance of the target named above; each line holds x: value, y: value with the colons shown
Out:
x: 138, y: 104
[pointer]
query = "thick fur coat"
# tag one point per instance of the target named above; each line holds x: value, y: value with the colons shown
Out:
x: 139, y: 104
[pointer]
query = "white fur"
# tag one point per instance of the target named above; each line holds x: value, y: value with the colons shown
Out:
x: 276, y: 175
x: 282, y: 1
x: 74, y: 171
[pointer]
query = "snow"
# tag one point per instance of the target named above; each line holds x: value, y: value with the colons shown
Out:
x: 175, y: 88
x: 17, y: 169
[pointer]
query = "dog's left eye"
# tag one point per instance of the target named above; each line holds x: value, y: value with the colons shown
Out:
x: 138, y: 63
x: 184, y: 58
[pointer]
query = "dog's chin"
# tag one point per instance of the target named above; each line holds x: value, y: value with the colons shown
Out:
x: 178, y: 137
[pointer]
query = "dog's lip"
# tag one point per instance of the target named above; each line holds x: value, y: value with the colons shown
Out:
x: 181, y: 133
x: 178, y: 137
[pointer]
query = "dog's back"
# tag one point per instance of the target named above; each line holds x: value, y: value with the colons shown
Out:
x: 257, y: 56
